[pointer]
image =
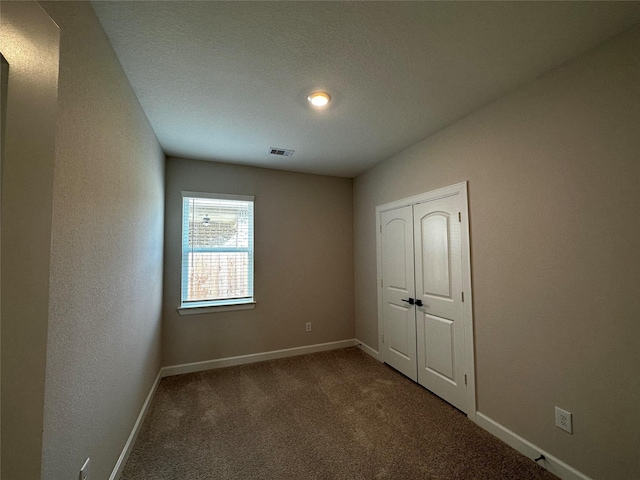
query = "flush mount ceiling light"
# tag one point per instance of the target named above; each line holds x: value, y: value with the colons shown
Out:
x: 319, y: 99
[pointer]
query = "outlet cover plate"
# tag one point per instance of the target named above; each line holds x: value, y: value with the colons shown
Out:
x: 564, y: 420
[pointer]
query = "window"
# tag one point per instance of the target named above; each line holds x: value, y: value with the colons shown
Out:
x: 217, y: 250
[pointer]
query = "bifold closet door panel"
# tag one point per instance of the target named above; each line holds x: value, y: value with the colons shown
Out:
x: 398, y: 287
x: 440, y: 309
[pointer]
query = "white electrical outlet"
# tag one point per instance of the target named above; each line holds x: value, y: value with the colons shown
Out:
x: 564, y: 420
x: 84, y: 471
x: 308, y: 326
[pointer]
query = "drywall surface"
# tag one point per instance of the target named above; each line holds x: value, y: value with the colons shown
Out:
x: 554, y: 174
x: 29, y: 41
x: 303, y: 263
x: 106, y: 255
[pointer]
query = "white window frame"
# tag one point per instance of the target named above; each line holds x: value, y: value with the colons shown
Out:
x: 208, y: 306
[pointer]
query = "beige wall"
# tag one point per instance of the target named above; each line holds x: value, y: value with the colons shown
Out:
x: 27, y: 182
x: 303, y: 263
x: 106, y: 255
x: 554, y: 189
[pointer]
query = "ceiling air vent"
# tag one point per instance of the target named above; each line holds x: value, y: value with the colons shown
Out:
x: 283, y: 152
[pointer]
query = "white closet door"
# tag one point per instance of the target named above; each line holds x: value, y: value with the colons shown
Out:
x: 399, y: 338
x: 439, y: 303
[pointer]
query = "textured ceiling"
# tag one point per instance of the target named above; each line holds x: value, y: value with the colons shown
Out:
x: 225, y: 81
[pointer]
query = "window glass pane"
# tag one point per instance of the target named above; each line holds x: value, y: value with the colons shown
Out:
x: 218, y: 223
x: 218, y: 276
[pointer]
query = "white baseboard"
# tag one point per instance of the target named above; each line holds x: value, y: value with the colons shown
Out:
x: 367, y: 349
x: 528, y: 449
x: 126, y: 451
x: 252, y: 358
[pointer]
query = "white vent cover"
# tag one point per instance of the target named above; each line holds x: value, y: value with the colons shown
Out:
x: 283, y: 152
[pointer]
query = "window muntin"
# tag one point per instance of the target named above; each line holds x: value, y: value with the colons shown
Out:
x: 217, y: 250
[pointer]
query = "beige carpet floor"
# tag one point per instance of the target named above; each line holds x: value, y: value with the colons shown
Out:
x: 330, y: 415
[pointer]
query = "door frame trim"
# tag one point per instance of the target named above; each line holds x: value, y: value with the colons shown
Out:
x: 452, y: 190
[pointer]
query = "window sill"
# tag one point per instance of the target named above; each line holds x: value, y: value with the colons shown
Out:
x: 216, y: 308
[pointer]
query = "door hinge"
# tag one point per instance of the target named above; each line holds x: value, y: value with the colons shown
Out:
x: 459, y: 217
x: 465, y: 379
x: 462, y: 296
x: 380, y: 228
x: 383, y: 338
x: 381, y: 283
